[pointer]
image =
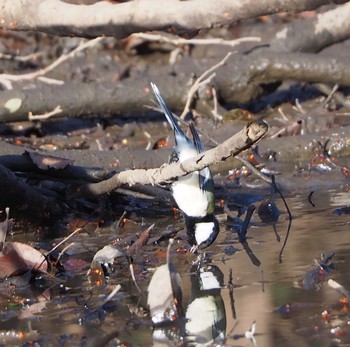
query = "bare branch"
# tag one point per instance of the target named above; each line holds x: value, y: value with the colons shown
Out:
x: 21, y: 58
x: 176, y: 41
x: 46, y: 115
x: 239, y: 81
x: 205, y: 78
x: 231, y: 147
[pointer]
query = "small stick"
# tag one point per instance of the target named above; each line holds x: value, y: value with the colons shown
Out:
x: 132, y: 273
x: 64, y: 240
x: 64, y: 250
x: 180, y: 41
x: 202, y: 80
x: 46, y: 115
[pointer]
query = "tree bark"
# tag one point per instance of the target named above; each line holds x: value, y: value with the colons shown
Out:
x: 244, y: 139
x: 243, y: 78
x: 120, y: 20
x: 27, y: 202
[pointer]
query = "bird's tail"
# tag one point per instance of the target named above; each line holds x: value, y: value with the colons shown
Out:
x: 169, y: 116
x: 196, y: 139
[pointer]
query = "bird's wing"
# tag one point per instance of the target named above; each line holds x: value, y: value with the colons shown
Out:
x: 205, y: 177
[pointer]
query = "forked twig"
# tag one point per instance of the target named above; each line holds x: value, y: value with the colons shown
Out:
x: 206, y: 77
x: 46, y: 115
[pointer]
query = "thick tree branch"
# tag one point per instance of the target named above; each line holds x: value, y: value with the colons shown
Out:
x: 322, y: 31
x: 120, y: 20
x: 231, y: 147
x: 26, y: 202
x: 241, y: 79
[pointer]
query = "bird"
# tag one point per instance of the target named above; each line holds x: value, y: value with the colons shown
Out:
x: 205, y: 311
x: 194, y: 192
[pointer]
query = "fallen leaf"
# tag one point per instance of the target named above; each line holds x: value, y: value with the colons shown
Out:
x: 13, y: 104
x: 17, y: 258
x: 45, y: 162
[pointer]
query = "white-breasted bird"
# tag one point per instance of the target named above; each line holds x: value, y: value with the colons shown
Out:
x: 194, y: 192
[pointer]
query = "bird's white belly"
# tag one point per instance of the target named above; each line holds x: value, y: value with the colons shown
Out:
x: 189, y: 197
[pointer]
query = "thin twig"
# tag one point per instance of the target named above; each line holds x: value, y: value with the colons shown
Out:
x: 110, y: 296
x: 217, y: 117
x: 48, y: 80
x: 330, y: 95
x: 120, y: 220
x: 132, y: 273
x: 46, y: 115
x: 64, y: 250
x: 60, y: 60
x: 149, y: 138
x: 290, y: 218
x: 177, y: 41
x: 21, y: 58
x: 64, y: 240
x: 202, y: 80
x: 252, y: 168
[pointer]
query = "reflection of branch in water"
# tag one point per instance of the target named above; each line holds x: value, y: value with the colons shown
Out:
x: 250, y: 253
x: 290, y: 218
x: 276, y: 233
x: 262, y: 281
x: 232, y: 300
x: 242, y: 234
x: 268, y: 210
x: 286, y: 239
x: 310, y: 199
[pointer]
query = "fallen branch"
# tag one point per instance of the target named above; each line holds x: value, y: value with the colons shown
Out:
x: 27, y: 202
x: 122, y: 19
x: 242, y: 78
x: 177, y: 41
x: 231, y: 147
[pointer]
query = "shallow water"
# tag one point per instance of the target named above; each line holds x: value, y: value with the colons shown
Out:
x: 67, y: 310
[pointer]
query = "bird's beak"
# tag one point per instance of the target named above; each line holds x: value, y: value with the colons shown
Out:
x: 194, y: 249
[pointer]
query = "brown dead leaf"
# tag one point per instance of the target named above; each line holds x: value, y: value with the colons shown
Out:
x: 45, y: 162
x: 17, y: 258
x: 140, y: 242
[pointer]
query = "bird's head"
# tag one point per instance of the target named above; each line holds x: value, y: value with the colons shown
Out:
x: 202, y: 232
